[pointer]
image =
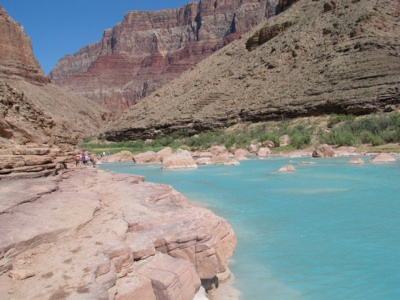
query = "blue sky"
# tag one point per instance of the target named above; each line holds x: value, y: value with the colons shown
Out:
x: 60, y: 27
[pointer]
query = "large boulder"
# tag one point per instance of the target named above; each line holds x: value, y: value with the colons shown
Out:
x: 182, y: 159
x: 224, y: 159
x: 122, y: 156
x: 148, y: 157
x: 216, y: 150
x: 382, y: 158
x: 323, y: 151
x: 164, y: 153
x: 253, y: 149
x: 264, y: 151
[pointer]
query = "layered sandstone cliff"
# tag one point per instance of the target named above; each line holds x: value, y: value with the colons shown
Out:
x: 16, y: 56
x: 317, y: 57
x: 32, y: 109
x: 36, y: 114
x: 150, y: 48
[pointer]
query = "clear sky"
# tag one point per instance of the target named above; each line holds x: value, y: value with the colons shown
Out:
x: 60, y: 27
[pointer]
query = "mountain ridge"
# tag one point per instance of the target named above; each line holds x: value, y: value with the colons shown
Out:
x: 149, y: 48
x: 339, y: 56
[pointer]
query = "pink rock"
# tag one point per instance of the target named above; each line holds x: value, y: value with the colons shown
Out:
x: 216, y: 150
x: 204, y: 161
x: 123, y: 156
x: 146, y: 157
x: 269, y: 144
x: 287, y: 169
x: 323, y: 151
x: 182, y: 159
x: 241, y: 152
x: 253, y: 149
x: 264, y: 151
x: 164, y: 153
x: 356, y: 161
x: 202, y: 154
x: 224, y: 159
x: 129, y: 288
x: 172, y: 278
x: 382, y: 158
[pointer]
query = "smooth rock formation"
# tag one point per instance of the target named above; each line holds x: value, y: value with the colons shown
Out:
x: 146, y: 157
x: 253, y: 149
x: 356, y: 161
x: 204, y: 161
x: 182, y: 159
x: 382, y: 158
x: 264, y: 151
x: 164, y: 153
x: 306, y: 61
x: 224, y: 159
x: 150, y: 48
x: 323, y: 151
x: 122, y: 156
x: 287, y: 169
x: 108, y: 236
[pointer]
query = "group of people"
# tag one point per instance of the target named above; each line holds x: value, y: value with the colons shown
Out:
x: 84, y: 159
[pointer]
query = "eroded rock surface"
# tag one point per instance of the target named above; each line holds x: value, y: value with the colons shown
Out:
x: 90, y: 234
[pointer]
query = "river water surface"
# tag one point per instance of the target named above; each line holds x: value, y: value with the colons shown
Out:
x: 328, y: 231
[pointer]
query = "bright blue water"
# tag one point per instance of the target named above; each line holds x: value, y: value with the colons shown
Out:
x: 328, y: 231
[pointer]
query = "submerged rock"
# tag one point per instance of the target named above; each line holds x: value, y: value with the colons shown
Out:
x: 382, y: 158
x: 287, y: 169
x: 356, y: 161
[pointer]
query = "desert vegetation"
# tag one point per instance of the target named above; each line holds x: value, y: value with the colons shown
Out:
x: 339, y: 130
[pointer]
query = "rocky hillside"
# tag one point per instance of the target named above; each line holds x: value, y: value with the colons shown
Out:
x: 40, y: 124
x: 32, y: 109
x: 150, y: 48
x: 318, y: 57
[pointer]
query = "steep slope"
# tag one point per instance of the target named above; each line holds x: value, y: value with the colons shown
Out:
x: 317, y: 57
x: 32, y: 109
x: 150, y: 48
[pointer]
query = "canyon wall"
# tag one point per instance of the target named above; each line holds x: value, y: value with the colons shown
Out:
x: 40, y: 123
x: 317, y: 57
x: 150, y: 48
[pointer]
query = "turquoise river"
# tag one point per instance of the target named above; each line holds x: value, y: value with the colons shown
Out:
x: 328, y: 231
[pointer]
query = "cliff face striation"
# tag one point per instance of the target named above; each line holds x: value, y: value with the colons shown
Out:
x: 150, y: 48
x: 317, y: 57
x: 37, y: 117
x: 16, y: 56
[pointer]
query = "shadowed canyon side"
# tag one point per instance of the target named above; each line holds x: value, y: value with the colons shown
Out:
x: 40, y: 122
x: 317, y: 57
x: 150, y: 48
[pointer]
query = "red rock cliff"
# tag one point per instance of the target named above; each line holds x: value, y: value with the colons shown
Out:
x: 150, y: 48
x: 16, y: 55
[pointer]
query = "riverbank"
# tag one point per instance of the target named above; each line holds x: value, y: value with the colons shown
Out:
x: 328, y: 213
x: 88, y: 233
